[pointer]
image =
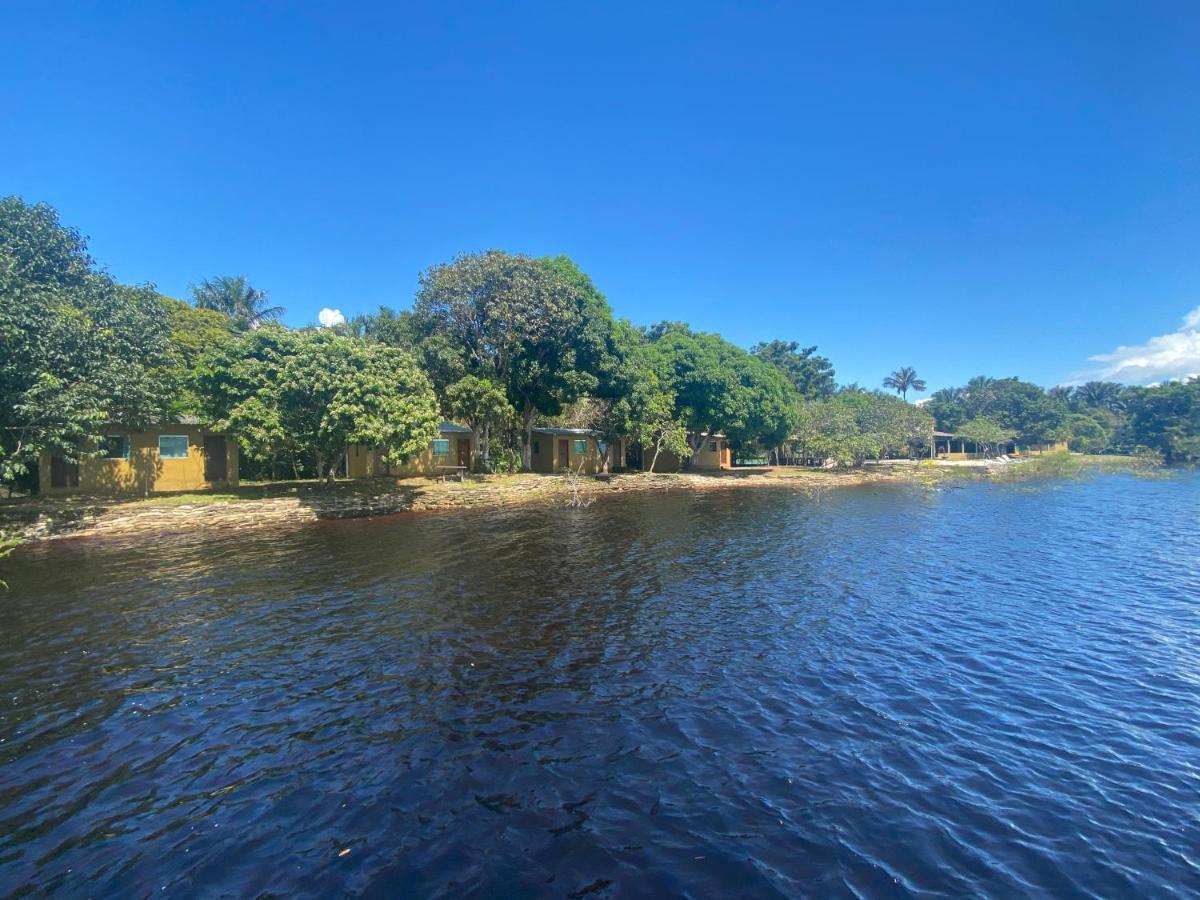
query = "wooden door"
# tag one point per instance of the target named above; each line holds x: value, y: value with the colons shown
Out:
x: 464, y: 452
x: 215, y: 462
x: 564, y: 453
x: 63, y: 474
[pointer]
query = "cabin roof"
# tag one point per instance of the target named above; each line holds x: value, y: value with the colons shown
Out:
x: 454, y: 428
x: 578, y: 432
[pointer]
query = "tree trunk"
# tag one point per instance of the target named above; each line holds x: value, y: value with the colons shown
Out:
x: 527, y: 447
x: 698, y: 446
x: 657, y: 449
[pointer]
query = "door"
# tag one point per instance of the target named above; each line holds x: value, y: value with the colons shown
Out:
x: 63, y: 474
x: 564, y: 453
x: 214, y: 459
x: 464, y: 452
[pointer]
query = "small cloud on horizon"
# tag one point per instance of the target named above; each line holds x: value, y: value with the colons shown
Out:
x: 330, y: 317
x: 1167, y: 357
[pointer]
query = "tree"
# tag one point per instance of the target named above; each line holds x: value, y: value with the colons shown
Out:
x: 481, y: 405
x: 854, y: 426
x: 811, y: 376
x: 319, y: 392
x: 1099, y: 395
x: 651, y: 423
x: 1033, y: 414
x: 1166, y: 419
x: 986, y: 433
x: 232, y: 295
x: 78, y: 352
x: 195, y: 333
x: 904, y: 380
x: 531, y: 325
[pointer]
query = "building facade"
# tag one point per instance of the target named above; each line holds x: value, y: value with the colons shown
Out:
x: 452, y: 450
x: 179, y: 457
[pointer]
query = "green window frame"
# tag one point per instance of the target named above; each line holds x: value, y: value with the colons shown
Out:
x: 581, y: 446
x: 172, y: 446
x: 441, y: 447
x: 115, y: 446
x: 712, y: 445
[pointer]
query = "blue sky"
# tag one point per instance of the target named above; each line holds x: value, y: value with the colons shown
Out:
x: 967, y: 188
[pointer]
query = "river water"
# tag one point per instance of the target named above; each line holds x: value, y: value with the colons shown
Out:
x: 884, y: 691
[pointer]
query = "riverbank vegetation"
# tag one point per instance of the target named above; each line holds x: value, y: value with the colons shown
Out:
x: 499, y: 341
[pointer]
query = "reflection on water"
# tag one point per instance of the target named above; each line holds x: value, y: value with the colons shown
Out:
x: 739, y: 693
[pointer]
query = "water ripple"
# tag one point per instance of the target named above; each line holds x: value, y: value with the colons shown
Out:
x: 983, y: 691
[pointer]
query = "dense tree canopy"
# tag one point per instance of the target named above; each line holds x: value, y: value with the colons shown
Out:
x: 498, y: 341
x: 811, y: 376
x: 78, y: 351
x: 318, y: 392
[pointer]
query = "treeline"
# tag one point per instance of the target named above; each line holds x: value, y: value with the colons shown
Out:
x: 497, y: 341
x: 1096, y: 417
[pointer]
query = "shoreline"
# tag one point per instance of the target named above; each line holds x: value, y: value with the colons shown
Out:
x: 255, y: 506
x: 275, y: 504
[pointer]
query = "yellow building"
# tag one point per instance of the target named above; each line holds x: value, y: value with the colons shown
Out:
x: 576, y: 449
x: 179, y: 457
x: 714, y: 455
x: 451, y: 451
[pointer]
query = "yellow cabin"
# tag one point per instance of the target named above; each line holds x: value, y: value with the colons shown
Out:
x: 574, y: 449
x: 451, y: 451
x: 180, y: 457
x: 714, y: 455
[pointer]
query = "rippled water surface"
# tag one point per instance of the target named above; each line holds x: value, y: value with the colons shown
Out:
x: 986, y: 690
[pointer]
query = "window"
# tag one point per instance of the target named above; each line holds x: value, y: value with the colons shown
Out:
x: 581, y: 446
x: 441, y: 447
x: 712, y: 445
x: 172, y: 446
x: 115, y: 446
x: 537, y: 447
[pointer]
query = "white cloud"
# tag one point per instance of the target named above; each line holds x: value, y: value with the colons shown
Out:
x: 330, y: 317
x: 1168, y: 357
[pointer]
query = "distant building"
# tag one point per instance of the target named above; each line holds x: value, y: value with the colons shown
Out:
x: 947, y: 446
x: 453, y: 446
x: 182, y: 456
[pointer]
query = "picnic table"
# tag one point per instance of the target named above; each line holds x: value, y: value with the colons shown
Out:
x: 452, y: 472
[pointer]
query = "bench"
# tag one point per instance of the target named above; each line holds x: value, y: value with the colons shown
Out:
x: 452, y: 472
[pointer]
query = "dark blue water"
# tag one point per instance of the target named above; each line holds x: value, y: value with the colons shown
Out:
x: 887, y: 692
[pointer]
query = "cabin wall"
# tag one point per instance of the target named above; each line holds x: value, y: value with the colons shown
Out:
x: 368, y: 462
x: 545, y: 457
x: 707, y: 459
x: 144, y: 472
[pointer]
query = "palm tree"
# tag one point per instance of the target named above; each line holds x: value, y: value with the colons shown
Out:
x: 233, y: 295
x: 1100, y: 394
x: 904, y: 380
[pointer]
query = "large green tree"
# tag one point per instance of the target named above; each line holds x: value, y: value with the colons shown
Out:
x: 719, y: 388
x: 319, y: 392
x: 531, y: 325
x: 1165, y: 419
x: 811, y: 376
x: 78, y: 351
